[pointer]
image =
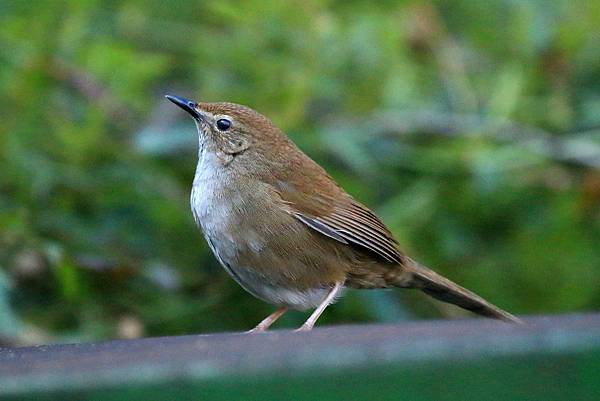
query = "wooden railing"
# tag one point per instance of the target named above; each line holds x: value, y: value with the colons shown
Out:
x: 550, y: 358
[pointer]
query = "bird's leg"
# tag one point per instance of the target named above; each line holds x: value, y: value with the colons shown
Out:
x: 268, y: 321
x: 310, y: 322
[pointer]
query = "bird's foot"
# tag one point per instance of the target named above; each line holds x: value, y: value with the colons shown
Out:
x: 303, y: 328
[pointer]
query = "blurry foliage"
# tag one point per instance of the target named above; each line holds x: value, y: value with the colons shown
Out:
x: 424, y: 110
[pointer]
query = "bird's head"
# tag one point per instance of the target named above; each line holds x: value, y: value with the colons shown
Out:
x: 231, y: 128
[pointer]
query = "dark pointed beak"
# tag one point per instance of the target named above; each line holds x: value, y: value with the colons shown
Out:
x: 186, y: 104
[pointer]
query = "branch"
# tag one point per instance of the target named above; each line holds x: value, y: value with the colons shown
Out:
x: 574, y: 148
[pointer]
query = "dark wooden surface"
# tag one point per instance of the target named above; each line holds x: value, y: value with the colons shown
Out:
x: 202, y: 358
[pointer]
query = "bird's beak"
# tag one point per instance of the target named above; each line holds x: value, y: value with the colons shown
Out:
x: 187, y: 105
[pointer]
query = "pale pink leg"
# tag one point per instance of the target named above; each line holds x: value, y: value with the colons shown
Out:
x: 308, y: 325
x: 268, y: 321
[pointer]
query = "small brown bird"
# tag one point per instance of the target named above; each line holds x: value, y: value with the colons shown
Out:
x: 285, y: 230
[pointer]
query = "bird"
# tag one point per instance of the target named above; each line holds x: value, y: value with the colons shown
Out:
x: 285, y: 231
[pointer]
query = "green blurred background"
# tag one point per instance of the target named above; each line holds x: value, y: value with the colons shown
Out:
x: 470, y: 127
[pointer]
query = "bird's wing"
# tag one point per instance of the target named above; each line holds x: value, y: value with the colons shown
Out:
x: 356, y: 225
x: 341, y: 218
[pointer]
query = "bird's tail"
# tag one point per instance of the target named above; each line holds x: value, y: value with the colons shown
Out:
x: 439, y: 287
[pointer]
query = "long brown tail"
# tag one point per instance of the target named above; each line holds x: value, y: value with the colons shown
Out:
x: 439, y: 287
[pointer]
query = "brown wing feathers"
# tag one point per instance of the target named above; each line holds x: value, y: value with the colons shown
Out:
x: 355, y: 229
x: 321, y: 227
x: 352, y: 224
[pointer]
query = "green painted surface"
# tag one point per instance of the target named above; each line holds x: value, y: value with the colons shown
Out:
x: 555, y: 358
x: 567, y: 377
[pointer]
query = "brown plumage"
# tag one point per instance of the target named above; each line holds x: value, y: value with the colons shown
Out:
x: 284, y: 229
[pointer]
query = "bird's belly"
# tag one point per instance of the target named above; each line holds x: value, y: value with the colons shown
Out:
x: 254, y: 283
x: 253, y: 279
x: 245, y: 253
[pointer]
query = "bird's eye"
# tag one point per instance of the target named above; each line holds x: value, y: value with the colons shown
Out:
x: 223, y: 124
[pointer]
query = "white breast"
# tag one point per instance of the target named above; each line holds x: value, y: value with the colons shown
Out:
x: 216, y: 209
x: 211, y: 211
